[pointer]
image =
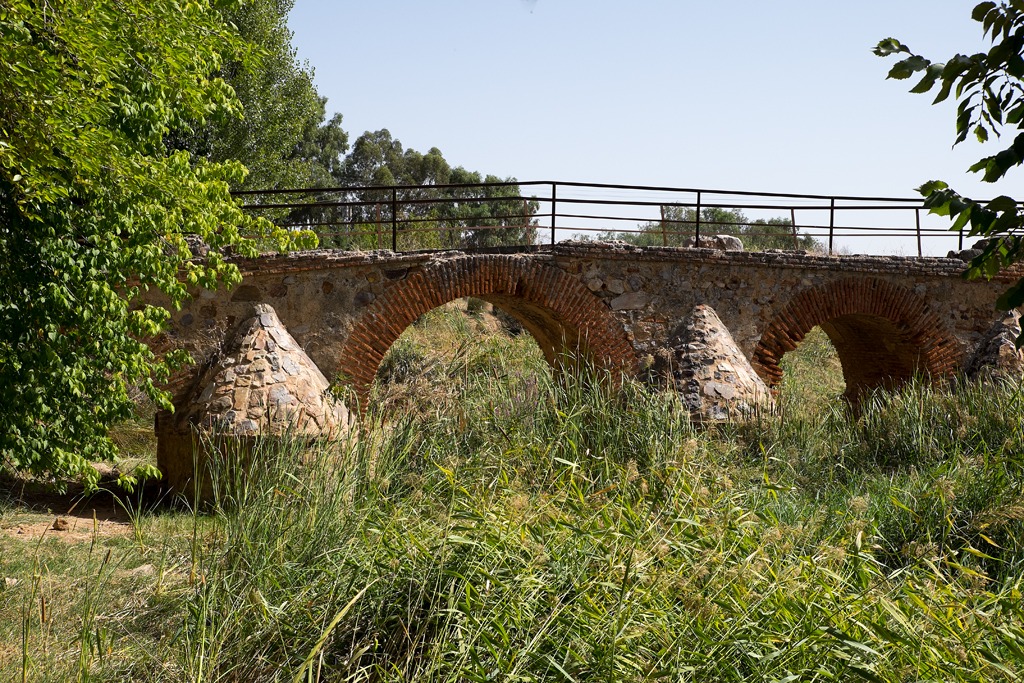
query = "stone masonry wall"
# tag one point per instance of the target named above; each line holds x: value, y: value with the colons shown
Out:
x: 930, y: 318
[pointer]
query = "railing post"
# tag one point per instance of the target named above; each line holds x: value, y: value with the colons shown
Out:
x: 394, y: 219
x: 792, y: 222
x: 664, y: 235
x: 354, y: 217
x: 696, y: 225
x: 831, y: 223
x: 917, y: 221
x: 379, y: 236
x: 529, y: 232
x: 961, y: 247
x: 554, y: 197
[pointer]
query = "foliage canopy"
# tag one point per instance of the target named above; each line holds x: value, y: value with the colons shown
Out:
x: 284, y: 138
x: 95, y: 209
x: 433, y: 210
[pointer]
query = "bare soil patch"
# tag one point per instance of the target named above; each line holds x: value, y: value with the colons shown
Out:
x: 29, y: 511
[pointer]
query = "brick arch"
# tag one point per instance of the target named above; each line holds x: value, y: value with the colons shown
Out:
x: 882, y: 332
x: 560, y: 313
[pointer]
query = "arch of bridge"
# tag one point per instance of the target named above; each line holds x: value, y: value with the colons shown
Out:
x: 882, y: 332
x: 565, y: 318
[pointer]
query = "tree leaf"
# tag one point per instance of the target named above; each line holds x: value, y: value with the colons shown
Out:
x: 1016, y: 114
x: 932, y: 74
x: 1000, y: 164
x: 931, y: 187
x: 1002, y: 203
x: 905, y: 68
x: 961, y: 220
x: 889, y: 46
x: 1012, y: 298
x: 981, y: 10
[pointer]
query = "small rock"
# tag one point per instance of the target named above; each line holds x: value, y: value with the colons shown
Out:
x: 196, y: 245
x: 630, y: 302
x: 967, y: 255
x: 105, y: 471
x: 143, y: 570
x: 60, y: 524
x: 719, y: 242
x: 10, y: 582
x: 616, y: 286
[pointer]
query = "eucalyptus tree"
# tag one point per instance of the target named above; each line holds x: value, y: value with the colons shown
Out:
x: 437, y: 200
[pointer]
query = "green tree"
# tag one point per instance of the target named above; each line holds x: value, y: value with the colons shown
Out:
x: 462, y: 217
x: 94, y: 210
x: 379, y: 159
x: 679, y: 225
x: 283, y: 137
x: 502, y: 219
x: 989, y: 87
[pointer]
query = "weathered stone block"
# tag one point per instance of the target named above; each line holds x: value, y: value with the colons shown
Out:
x: 630, y: 302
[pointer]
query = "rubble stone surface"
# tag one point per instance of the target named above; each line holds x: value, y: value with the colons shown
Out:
x: 710, y: 373
x: 720, y: 242
x: 260, y: 384
x: 997, y: 353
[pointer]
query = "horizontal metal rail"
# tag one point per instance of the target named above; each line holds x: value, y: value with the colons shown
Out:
x: 527, y: 213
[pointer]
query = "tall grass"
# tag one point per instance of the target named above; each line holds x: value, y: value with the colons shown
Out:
x: 598, y: 539
x: 938, y: 468
x: 528, y: 527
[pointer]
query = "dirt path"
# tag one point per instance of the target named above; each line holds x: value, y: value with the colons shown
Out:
x: 27, y: 513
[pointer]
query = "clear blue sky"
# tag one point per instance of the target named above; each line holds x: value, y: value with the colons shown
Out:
x: 771, y: 96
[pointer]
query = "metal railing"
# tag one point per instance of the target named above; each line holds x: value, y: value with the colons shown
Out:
x: 529, y: 213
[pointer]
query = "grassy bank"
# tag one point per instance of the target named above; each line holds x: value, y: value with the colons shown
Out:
x: 493, y: 523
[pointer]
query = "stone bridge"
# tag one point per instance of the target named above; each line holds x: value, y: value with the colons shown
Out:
x: 628, y: 309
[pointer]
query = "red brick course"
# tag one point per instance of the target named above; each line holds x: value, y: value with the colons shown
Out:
x: 560, y: 312
x: 883, y: 333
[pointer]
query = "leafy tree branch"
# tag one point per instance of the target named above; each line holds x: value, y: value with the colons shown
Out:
x: 989, y: 89
x: 94, y: 210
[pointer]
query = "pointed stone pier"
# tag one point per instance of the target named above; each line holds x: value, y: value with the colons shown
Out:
x: 261, y: 384
x: 709, y: 372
